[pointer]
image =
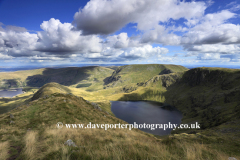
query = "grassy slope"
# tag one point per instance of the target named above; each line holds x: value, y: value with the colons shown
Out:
x: 7, y: 104
x: 97, y: 78
x: 49, y: 89
x: 34, y: 134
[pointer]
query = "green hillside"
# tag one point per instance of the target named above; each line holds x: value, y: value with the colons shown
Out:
x: 209, y: 96
x: 29, y: 132
x: 65, y: 76
x: 49, y: 89
x: 133, y: 74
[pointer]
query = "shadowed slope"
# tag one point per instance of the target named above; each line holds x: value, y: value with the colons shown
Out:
x: 18, y: 78
x: 65, y: 76
x: 68, y: 76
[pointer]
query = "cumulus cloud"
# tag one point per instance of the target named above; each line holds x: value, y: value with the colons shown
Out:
x: 122, y: 41
x: 60, y: 38
x: 143, y: 52
x: 105, y: 17
x: 16, y: 41
x: 209, y: 29
x: 160, y: 35
x: 5, y: 57
x: 213, y: 29
x: 58, y: 41
x: 206, y: 37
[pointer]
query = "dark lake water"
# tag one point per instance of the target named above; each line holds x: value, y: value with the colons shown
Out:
x: 10, y: 93
x: 146, y: 112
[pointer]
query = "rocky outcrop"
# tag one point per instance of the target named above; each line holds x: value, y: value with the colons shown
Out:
x: 70, y: 143
x: 128, y: 89
x: 166, y: 71
x: 204, y: 76
x: 165, y: 80
x: 114, y: 77
x: 95, y: 105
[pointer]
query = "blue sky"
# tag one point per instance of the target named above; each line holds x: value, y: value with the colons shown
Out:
x: 56, y: 32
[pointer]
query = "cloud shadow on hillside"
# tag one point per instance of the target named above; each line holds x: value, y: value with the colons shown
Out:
x: 64, y: 76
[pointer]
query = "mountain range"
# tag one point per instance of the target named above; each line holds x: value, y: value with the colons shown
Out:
x: 206, y: 95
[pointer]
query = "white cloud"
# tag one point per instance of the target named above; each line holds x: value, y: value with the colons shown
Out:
x: 208, y: 56
x: 209, y: 29
x: 206, y: 37
x: 160, y: 35
x: 16, y: 43
x: 122, y: 41
x: 214, y: 48
x: 5, y: 57
x: 143, y: 52
x: 60, y: 38
x: 213, y: 29
x: 234, y: 6
x: 105, y: 17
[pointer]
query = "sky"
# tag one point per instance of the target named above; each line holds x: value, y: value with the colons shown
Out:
x: 61, y: 32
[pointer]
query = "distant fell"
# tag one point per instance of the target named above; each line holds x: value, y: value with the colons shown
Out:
x: 67, y: 76
x: 139, y: 73
x: 64, y: 76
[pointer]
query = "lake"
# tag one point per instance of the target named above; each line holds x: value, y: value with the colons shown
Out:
x: 11, y: 92
x: 146, y: 112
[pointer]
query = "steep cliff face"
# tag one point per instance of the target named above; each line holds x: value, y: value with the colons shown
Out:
x: 208, y: 95
x: 204, y: 76
x: 165, y: 80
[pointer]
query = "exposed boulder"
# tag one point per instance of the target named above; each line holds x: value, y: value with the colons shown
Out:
x: 165, y: 80
x: 12, y: 122
x: 11, y: 116
x: 70, y: 143
x: 166, y: 71
x: 96, y: 106
x: 129, y: 88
